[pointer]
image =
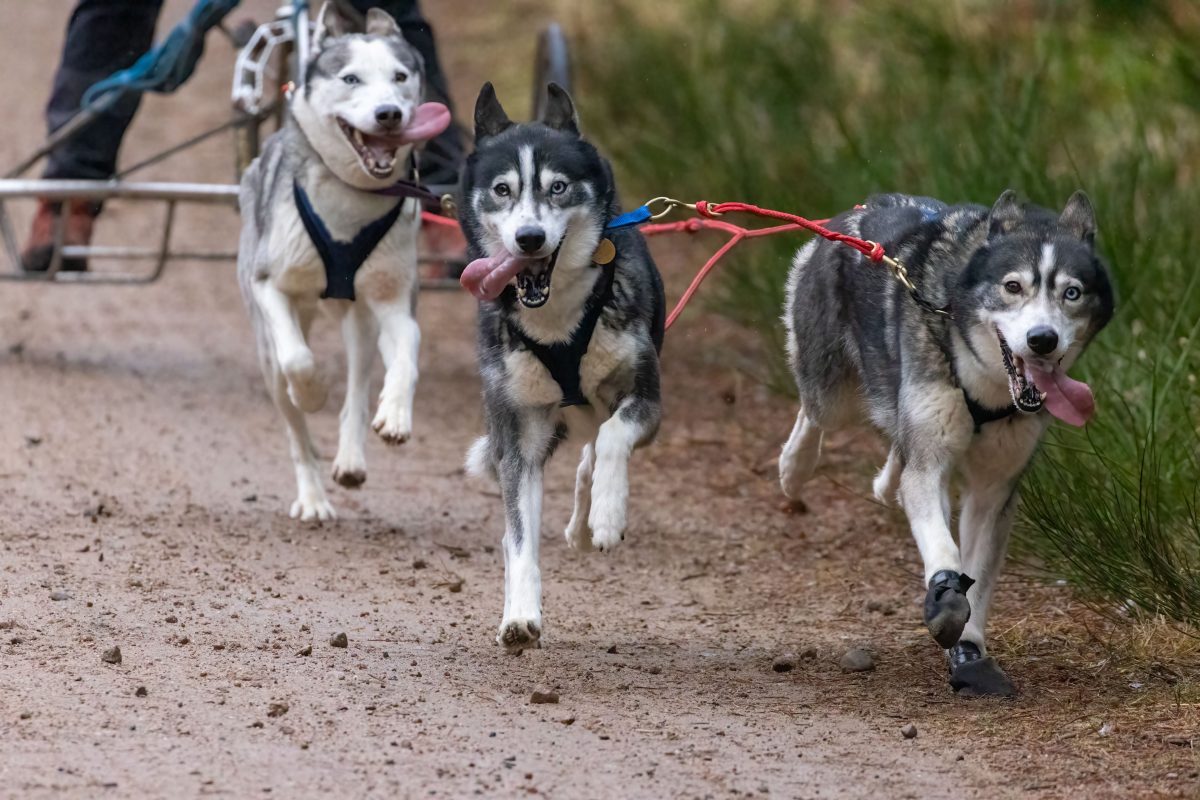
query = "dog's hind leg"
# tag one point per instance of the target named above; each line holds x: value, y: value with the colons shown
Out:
x: 798, y: 460
x: 579, y: 536
x: 358, y: 333
x: 311, y: 502
x: 520, y: 473
x: 887, y: 482
x: 288, y: 325
x: 400, y: 344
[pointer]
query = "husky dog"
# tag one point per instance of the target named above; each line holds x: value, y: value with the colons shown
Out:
x: 962, y: 378
x: 321, y: 219
x: 570, y: 325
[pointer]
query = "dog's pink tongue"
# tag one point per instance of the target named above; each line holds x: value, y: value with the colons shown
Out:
x: 1066, y: 398
x: 486, y: 277
x: 428, y: 121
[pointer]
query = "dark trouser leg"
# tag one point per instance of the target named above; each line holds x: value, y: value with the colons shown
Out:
x: 103, y: 36
x: 443, y: 156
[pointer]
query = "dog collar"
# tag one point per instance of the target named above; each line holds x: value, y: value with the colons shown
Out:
x: 407, y: 189
x: 341, y: 259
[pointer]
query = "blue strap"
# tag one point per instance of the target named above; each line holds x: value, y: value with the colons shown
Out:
x: 341, y: 259
x: 165, y: 67
x: 630, y: 218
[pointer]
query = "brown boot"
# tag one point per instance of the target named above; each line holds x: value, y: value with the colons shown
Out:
x: 81, y: 215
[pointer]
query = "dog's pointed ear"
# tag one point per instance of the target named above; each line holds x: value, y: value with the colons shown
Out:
x: 1079, y: 217
x: 560, y: 111
x: 330, y: 25
x: 490, y: 118
x: 381, y: 23
x: 1005, y: 215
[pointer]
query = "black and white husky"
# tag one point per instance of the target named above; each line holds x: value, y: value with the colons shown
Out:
x: 963, y: 392
x: 326, y: 220
x: 570, y: 325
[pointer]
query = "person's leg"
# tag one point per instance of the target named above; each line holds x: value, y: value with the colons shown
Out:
x: 442, y: 157
x: 103, y: 36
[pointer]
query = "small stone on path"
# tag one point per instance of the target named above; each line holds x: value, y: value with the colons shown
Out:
x: 857, y: 659
x: 340, y: 640
x: 541, y: 698
x: 909, y: 731
x: 111, y: 656
x: 784, y: 663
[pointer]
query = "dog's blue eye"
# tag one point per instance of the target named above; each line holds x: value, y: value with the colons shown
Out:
x: 401, y: 77
x: 351, y: 79
x: 501, y: 189
x: 1012, y: 287
x: 1072, y: 293
x: 558, y: 187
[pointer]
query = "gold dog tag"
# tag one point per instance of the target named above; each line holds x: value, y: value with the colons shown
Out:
x: 606, y: 251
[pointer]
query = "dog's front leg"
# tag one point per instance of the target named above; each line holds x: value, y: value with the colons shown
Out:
x: 358, y: 333
x: 520, y: 473
x: 634, y: 423
x: 925, y: 495
x: 984, y: 526
x: 399, y: 343
x: 287, y: 325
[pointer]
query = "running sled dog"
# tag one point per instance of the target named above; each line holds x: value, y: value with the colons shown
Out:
x: 962, y: 377
x: 328, y: 220
x: 570, y: 325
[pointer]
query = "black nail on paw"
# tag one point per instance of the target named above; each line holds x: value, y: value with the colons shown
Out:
x: 946, y: 606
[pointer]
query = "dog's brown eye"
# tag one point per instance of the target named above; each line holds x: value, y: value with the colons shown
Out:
x: 1012, y: 287
x: 1072, y: 293
x: 558, y: 187
x: 501, y: 189
x: 401, y: 77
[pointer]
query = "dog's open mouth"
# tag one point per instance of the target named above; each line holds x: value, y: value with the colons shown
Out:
x: 533, y: 282
x: 486, y: 277
x: 377, y: 153
x: 1025, y: 394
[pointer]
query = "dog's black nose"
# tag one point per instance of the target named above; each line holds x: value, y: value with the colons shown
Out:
x: 530, y: 238
x: 389, y: 116
x: 1042, y: 340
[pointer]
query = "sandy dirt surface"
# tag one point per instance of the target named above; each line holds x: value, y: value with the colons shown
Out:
x: 144, y: 481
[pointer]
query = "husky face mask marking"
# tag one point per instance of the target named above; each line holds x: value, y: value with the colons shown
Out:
x: 537, y: 201
x: 1041, y: 295
x: 361, y: 103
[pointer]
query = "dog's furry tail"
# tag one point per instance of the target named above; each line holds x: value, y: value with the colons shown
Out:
x: 479, y: 459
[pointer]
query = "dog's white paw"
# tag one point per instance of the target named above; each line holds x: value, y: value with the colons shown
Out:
x: 579, y: 536
x: 607, y: 521
x: 349, y: 472
x: 885, y: 489
x: 306, y: 387
x: 518, y: 634
x: 791, y: 477
x: 393, y: 424
x: 312, y: 507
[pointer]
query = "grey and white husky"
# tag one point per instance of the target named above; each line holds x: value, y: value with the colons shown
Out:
x: 322, y: 225
x: 963, y: 383
x: 570, y: 325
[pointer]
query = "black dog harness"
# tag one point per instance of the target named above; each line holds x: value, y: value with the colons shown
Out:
x: 342, y: 259
x: 982, y: 416
x: 563, y: 359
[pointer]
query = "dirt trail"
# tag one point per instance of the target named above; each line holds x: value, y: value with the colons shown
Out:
x: 144, y: 477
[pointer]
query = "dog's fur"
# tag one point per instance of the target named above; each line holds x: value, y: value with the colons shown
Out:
x: 619, y: 373
x: 860, y: 346
x: 282, y: 275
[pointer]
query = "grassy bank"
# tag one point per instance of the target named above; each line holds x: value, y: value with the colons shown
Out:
x: 813, y: 106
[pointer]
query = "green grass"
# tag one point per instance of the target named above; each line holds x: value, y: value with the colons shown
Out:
x: 811, y: 107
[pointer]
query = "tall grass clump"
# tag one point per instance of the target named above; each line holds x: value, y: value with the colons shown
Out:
x: 813, y: 106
